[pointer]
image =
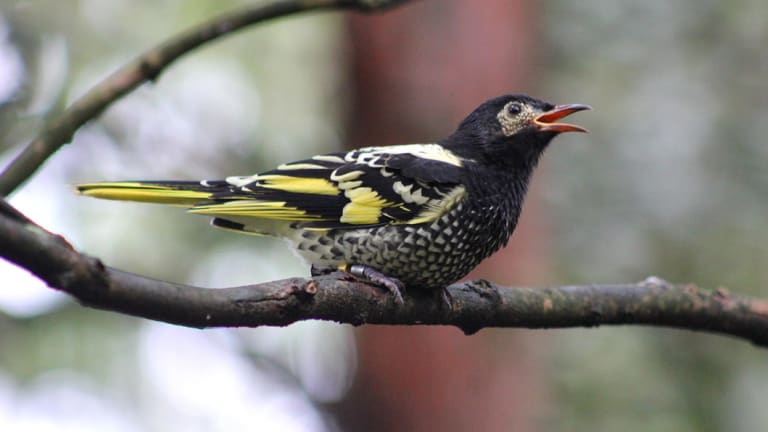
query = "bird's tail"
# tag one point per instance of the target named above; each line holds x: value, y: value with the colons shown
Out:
x: 179, y: 193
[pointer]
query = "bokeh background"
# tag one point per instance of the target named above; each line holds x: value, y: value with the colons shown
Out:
x: 671, y: 182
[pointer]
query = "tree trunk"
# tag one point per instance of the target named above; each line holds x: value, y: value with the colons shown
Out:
x: 417, y: 72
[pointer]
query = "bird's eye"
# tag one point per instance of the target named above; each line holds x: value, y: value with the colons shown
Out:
x: 514, y: 108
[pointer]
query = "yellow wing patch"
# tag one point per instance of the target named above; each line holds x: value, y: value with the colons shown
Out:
x: 364, y: 207
x: 317, y: 186
x: 142, y: 192
x: 257, y: 209
x: 437, y: 208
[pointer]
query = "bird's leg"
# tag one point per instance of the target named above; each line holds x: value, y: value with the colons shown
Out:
x: 393, y: 285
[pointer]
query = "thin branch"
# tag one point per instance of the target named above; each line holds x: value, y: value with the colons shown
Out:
x: 147, y: 67
x: 475, y: 305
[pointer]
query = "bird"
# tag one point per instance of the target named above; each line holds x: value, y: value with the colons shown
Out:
x: 408, y: 216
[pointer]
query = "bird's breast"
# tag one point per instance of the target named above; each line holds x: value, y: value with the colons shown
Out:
x: 434, y: 254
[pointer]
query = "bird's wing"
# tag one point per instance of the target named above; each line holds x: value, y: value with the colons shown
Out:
x: 373, y: 186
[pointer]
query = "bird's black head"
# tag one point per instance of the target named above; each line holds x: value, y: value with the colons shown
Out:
x: 510, y: 131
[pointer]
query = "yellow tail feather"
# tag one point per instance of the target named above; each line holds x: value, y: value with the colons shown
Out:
x: 143, y: 192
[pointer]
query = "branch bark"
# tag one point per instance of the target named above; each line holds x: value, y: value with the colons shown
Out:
x: 475, y: 305
x: 147, y: 67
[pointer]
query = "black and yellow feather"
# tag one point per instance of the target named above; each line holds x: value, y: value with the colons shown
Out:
x: 361, y: 188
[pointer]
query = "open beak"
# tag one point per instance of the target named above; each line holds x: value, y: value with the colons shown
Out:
x: 547, y: 121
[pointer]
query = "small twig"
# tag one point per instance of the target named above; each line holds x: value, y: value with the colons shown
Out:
x: 147, y: 67
x: 475, y: 305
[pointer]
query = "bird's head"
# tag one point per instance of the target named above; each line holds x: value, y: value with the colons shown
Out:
x: 511, y: 130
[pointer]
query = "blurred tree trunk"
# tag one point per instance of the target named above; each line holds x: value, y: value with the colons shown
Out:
x: 417, y: 72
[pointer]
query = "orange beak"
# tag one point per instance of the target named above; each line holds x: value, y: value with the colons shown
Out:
x: 546, y: 121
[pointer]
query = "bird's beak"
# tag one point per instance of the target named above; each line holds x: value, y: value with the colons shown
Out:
x: 546, y: 121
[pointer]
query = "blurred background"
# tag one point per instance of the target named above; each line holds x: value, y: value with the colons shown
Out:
x: 671, y: 182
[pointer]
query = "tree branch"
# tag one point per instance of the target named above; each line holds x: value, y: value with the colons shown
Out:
x: 147, y: 67
x: 475, y: 305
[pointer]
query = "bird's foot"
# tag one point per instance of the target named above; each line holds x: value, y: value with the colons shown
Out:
x: 393, y: 285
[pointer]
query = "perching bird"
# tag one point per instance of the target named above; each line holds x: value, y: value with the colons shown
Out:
x: 416, y: 215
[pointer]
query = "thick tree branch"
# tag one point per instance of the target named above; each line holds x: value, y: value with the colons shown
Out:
x: 475, y: 305
x: 147, y: 67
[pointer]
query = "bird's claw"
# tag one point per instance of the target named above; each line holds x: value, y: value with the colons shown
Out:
x: 393, y: 285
